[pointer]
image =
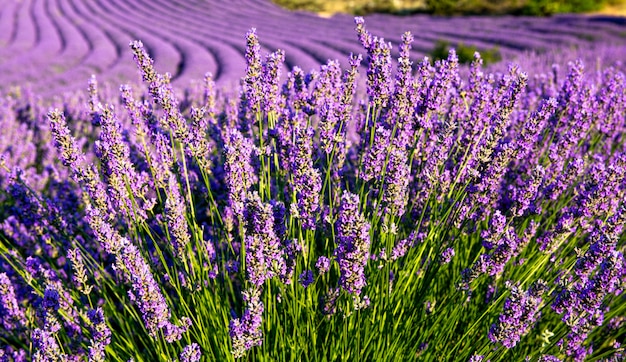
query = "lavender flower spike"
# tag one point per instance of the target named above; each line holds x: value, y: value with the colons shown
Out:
x: 175, y: 211
x: 353, y: 240
x: 307, y: 181
x: 519, y: 314
x: 246, y: 331
x: 101, y: 335
x: 11, y: 315
x: 264, y: 255
x: 147, y: 294
x: 191, y: 353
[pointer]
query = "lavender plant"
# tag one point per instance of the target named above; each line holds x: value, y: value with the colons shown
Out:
x: 437, y: 213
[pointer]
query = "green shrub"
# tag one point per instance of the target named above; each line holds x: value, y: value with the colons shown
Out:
x: 465, y: 52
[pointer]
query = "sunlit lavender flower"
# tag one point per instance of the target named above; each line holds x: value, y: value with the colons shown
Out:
x: 477, y: 358
x: 145, y: 63
x: 209, y: 96
x: 127, y: 187
x: 239, y: 173
x: 72, y: 158
x: 326, y: 99
x: 374, y: 157
x: 191, y: 353
x: 379, y: 69
x: 548, y: 358
x: 329, y: 302
x: 163, y: 94
x: 100, y: 335
x: 246, y: 331
x: 175, y: 212
x: 79, y: 277
x: 364, y: 36
x: 353, y: 243
x: 519, y: 315
x: 11, y: 315
x: 252, y: 89
x: 45, y: 347
x: 395, y: 190
x: 271, y: 79
x: 447, y: 75
x: 264, y: 254
x: 400, y: 112
x: 145, y: 291
x: 307, y: 181
x: 322, y: 264
x: 447, y: 255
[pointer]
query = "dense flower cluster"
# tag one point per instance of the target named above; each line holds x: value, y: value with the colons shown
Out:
x: 425, y: 210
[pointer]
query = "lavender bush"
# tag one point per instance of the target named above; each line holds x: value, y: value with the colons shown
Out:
x: 436, y: 213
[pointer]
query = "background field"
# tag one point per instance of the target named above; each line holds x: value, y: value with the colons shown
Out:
x: 55, y: 45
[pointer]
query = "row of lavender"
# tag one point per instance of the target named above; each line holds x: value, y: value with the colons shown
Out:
x: 425, y: 216
x: 54, y: 44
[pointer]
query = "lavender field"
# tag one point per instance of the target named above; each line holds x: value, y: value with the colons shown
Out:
x: 220, y: 181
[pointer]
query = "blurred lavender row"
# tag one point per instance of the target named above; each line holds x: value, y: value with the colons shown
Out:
x: 54, y: 45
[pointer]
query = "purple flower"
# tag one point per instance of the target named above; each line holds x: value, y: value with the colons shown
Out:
x: 447, y: 75
x: 374, y: 157
x: 395, y: 189
x: 93, y: 102
x: 519, y: 315
x: 271, y: 78
x: 264, y: 253
x: 379, y: 69
x: 447, y: 255
x: 191, y: 353
x: 322, y: 264
x: 11, y: 315
x: 306, y: 278
x: 548, y: 358
x: 175, y: 211
x: 329, y: 302
x: 51, y: 299
x: 71, y: 157
x: 252, y: 91
x: 477, y: 358
x: 163, y: 94
x: 79, y: 277
x: 246, y: 331
x: 100, y: 335
x: 307, y: 181
x: 127, y: 187
x: 353, y: 243
x: 239, y: 173
x: 145, y: 291
x: 293, y: 248
x: 45, y: 346
x: 326, y: 100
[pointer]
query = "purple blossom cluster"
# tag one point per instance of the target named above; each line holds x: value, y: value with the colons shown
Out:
x: 246, y: 331
x: 520, y: 313
x: 304, y: 195
x: 353, y: 244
